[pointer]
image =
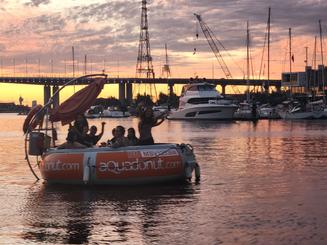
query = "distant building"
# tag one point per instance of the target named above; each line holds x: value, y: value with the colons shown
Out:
x: 307, y: 80
x: 12, y: 107
x: 7, y: 107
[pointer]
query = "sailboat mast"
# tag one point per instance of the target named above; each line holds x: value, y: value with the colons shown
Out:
x: 248, y: 61
x: 315, y: 54
x: 73, y: 57
x: 166, y: 53
x: 269, y: 14
x: 290, y: 48
x: 320, y: 32
x: 308, y: 75
x: 306, y: 56
x: 322, y: 58
x: 314, y: 62
x: 85, y: 64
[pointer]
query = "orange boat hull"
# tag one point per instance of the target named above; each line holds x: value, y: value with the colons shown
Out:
x: 126, y: 165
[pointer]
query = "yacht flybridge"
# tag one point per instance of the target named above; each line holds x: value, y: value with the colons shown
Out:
x: 202, y: 101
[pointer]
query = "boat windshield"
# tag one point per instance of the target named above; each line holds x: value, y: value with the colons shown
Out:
x: 198, y: 87
x: 206, y: 87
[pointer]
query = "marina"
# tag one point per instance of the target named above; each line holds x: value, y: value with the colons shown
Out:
x: 163, y: 122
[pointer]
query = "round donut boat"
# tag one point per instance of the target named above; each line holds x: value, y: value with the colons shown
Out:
x: 119, y: 166
x: 98, y: 166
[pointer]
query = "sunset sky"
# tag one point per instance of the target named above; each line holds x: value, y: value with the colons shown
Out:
x: 107, y: 31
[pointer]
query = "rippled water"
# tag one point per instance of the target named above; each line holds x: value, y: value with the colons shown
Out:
x: 263, y: 183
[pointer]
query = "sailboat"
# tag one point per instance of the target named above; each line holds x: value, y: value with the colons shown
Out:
x: 247, y: 110
x: 309, y: 106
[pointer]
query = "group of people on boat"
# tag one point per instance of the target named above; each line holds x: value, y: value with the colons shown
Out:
x: 81, y: 136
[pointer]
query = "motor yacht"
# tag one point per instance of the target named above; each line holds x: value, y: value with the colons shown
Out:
x: 246, y: 111
x: 267, y: 111
x: 115, y: 112
x: 202, y: 101
x: 94, y: 112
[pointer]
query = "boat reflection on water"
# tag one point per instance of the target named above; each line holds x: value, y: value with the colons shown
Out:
x: 74, y: 215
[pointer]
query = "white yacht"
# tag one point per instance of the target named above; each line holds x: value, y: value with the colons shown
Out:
x: 94, y: 111
x: 202, y: 101
x: 267, y: 111
x: 114, y: 112
x: 246, y: 111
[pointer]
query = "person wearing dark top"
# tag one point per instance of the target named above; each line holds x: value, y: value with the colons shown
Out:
x: 113, y: 139
x: 81, y: 137
x: 147, y: 122
x: 80, y: 128
x: 121, y: 140
x: 71, y: 142
x: 81, y: 123
x: 92, y: 138
x: 133, y: 140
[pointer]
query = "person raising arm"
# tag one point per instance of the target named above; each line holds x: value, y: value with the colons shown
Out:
x: 147, y: 122
x: 92, y: 138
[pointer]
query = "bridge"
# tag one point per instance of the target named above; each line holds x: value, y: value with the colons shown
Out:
x: 125, y: 84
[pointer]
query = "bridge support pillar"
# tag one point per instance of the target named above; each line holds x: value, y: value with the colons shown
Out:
x: 122, y: 92
x: 129, y: 93
x: 266, y: 87
x: 278, y: 89
x: 171, y: 92
x: 55, y: 98
x: 223, y: 89
x: 46, y: 94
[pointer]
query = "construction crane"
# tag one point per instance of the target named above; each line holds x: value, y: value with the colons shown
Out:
x: 212, y: 41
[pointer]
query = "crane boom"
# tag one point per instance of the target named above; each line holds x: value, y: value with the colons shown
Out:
x: 210, y: 36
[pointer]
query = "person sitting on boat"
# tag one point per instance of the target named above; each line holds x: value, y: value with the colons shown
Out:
x: 80, y: 128
x: 80, y: 123
x: 92, y: 138
x: 121, y: 140
x: 113, y: 139
x: 71, y: 142
x: 132, y: 139
x: 82, y: 137
x: 147, y: 122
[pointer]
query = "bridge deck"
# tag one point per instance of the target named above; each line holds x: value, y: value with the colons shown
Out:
x: 59, y: 81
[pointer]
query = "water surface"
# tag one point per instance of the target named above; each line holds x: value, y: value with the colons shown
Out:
x: 263, y: 183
